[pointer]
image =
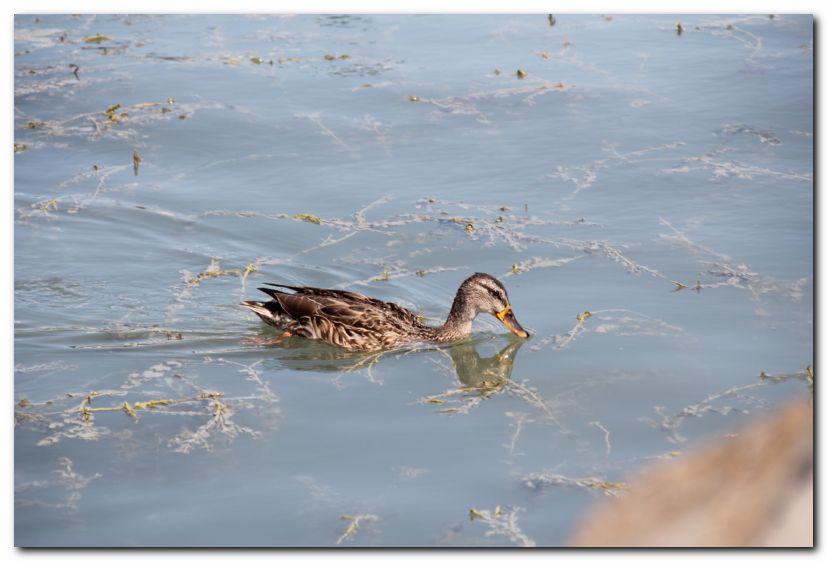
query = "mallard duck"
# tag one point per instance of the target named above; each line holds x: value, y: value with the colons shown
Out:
x: 360, y: 323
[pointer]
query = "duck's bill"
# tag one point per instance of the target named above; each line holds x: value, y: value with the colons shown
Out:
x: 508, y: 319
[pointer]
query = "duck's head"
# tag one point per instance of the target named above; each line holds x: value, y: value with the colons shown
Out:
x: 482, y: 293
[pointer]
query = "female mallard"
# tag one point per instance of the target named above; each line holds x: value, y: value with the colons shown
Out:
x: 360, y: 323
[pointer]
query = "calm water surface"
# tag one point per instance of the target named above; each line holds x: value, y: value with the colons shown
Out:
x: 661, y: 182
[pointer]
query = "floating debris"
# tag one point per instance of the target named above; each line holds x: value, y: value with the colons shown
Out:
x: 764, y: 136
x: 474, y: 514
x: 23, y: 403
x: 503, y: 524
x: 584, y: 316
x: 679, y: 29
x: 211, y: 272
x: 545, y: 479
x: 20, y: 147
x: 111, y: 113
x: 308, y: 218
x: 97, y: 39
x: 353, y: 527
x: 155, y: 403
x: 807, y: 375
x: 678, y: 286
x: 46, y: 206
x: 329, y: 57
x: 34, y: 124
x: 515, y: 268
x: 421, y: 273
x: 250, y: 268
x: 79, y: 421
x: 521, y: 73
x: 256, y: 60
x: 126, y: 408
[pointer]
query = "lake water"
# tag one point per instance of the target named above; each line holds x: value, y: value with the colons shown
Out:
x: 166, y: 166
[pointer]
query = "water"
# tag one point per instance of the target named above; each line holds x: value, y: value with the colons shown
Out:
x: 628, y: 157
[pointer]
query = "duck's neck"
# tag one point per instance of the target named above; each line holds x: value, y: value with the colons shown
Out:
x: 460, y: 318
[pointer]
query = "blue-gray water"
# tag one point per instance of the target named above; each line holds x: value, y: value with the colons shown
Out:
x: 627, y: 159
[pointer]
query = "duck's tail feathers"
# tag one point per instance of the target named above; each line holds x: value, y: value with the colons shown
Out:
x: 270, y: 312
x: 271, y: 292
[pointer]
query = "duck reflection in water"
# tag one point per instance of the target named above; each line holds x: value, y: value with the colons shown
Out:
x: 472, y: 370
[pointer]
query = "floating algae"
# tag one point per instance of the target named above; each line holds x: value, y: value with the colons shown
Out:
x: 46, y: 206
x: 214, y: 270
x: 308, y: 218
x: 541, y: 480
x: 97, y: 39
x: 354, y: 524
x: 502, y: 523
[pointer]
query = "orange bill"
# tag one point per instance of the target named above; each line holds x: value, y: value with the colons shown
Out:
x: 507, y: 317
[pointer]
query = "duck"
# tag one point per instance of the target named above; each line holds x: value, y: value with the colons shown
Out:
x: 357, y: 322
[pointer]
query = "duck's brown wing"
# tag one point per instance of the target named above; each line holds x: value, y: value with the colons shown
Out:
x: 348, y: 307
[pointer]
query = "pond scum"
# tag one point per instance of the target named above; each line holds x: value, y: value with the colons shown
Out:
x: 502, y: 522
x: 189, y: 417
x: 75, y: 415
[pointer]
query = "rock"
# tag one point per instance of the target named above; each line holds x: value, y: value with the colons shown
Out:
x: 753, y: 490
